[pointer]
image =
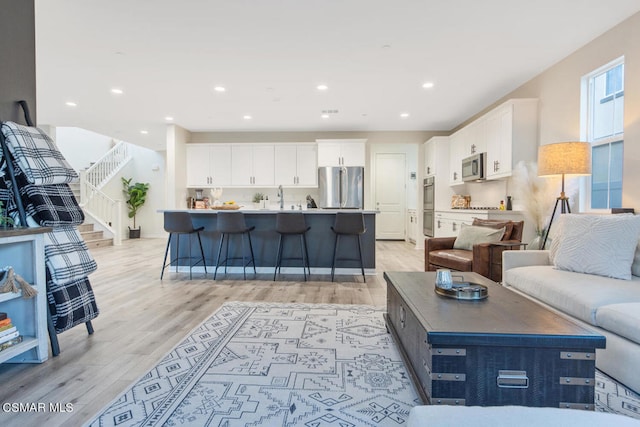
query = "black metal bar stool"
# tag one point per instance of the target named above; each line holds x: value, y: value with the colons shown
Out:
x: 233, y: 223
x: 292, y: 224
x: 348, y: 224
x: 180, y: 223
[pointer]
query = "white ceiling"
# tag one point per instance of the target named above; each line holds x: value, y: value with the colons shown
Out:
x: 168, y: 55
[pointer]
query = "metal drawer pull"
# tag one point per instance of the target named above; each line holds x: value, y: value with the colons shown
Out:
x: 513, y: 379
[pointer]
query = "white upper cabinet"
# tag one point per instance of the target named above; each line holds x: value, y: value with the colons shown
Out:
x: 508, y: 134
x: 456, y: 154
x: 296, y: 165
x: 208, y: 165
x: 433, y: 155
x: 511, y: 136
x: 252, y: 165
x: 474, y: 141
x: 343, y: 152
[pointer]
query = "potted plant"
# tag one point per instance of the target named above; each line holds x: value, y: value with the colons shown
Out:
x: 136, y: 196
x: 257, y: 200
x: 5, y: 220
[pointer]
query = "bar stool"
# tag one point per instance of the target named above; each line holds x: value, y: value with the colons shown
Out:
x: 292, y: 224
x: 180, y: 223
x: 348, y: 224
x: 229, y: 224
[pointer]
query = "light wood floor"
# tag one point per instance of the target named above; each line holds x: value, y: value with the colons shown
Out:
x: 142, y: 318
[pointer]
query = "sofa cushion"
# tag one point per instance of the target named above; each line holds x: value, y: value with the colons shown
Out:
x: 597, y: 244
x: 456, y: 259
x: 622, y: 319
x: 500, y: 416
x: 472, y: 234
x: 579, y: 295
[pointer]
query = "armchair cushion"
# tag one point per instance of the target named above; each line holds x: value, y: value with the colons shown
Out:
x: 455, y: 259
x: 471, y: 235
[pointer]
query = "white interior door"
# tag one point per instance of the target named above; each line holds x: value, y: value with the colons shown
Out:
x: 390, y: 188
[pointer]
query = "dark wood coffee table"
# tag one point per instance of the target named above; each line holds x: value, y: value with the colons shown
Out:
x: 502, y: 350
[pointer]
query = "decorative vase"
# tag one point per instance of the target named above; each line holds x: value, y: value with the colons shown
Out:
x: 536, y: 242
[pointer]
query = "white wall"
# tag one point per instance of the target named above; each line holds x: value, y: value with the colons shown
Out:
x: 81, y: 147
x: 176, y: 167
x: 147, y: 166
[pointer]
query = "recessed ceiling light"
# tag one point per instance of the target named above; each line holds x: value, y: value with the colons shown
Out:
x: 169, y: 118
x: 404, y: 115
x: 144, y: 132
x: 219, y: 89
x: 427, y: 85
x: 322, y: 87
x: 71, y: 104
x: 117, y: 91
x: 247, y: 117
x: 325, y: 116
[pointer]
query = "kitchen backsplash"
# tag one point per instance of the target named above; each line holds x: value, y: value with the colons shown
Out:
x: 244, y: 196
x: 485, y: 193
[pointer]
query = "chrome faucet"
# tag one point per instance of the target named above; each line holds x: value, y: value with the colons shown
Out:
x: 281, y: 195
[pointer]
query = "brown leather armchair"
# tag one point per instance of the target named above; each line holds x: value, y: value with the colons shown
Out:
x: 485, y: 258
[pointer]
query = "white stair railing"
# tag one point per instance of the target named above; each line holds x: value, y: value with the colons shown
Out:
x: 108, y: 165
x: 106, y: 211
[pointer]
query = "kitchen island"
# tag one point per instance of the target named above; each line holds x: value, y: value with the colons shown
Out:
x: 320, y: 241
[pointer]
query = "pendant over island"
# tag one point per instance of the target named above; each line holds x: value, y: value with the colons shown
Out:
x: 264, y: 238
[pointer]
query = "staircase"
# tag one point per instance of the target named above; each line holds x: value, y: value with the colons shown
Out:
x: 106, y: 213
x: 93, y: 238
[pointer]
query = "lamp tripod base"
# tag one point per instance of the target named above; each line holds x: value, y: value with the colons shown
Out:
x: 564, y: 208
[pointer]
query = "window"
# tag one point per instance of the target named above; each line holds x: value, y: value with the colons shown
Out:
x: 604, y: 105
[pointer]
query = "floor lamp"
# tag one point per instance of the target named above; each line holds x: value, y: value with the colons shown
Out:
x: 563, y: 158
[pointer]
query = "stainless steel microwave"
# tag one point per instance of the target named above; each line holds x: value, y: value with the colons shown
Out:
x: 473, y: 167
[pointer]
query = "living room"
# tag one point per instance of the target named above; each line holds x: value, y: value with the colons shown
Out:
x: 74, y: 376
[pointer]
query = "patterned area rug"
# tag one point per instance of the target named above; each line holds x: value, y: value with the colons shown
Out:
x: 275, y: 365
x: 612, y: 396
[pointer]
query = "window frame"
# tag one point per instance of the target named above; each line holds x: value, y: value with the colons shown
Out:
x: 587, y: 105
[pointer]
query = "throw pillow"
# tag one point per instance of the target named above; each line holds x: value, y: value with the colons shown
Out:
x: 492, y: 223
x: 603, y: 245
x: 635, y: 267
x: 473, y: 234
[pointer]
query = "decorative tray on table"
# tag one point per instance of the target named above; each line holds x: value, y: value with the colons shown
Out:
x: 464, y: 291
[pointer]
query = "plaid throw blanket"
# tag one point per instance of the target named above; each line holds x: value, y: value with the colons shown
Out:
x: 67, y: 256
x: 49, y: 205
x: 71, y: 304
x: 37, y: 155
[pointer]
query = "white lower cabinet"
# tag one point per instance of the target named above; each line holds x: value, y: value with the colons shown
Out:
x: 448, y: 224
x: 412, y: 227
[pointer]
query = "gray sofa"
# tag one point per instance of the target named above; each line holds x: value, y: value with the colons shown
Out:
x: 609, y: 306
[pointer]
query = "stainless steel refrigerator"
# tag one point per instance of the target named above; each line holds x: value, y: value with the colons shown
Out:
x: 341, y: 187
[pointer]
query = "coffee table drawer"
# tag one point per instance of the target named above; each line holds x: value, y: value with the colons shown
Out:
x: 527, y: 376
